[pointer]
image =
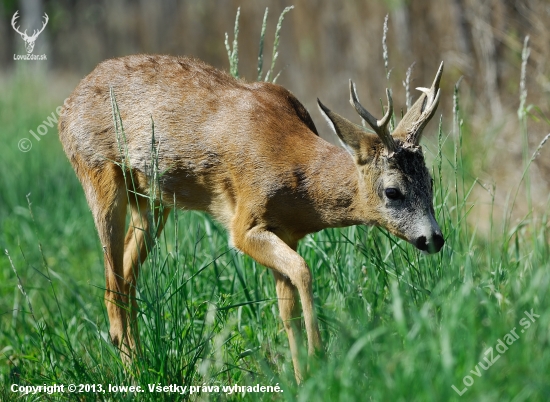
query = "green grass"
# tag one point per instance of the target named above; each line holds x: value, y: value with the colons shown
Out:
x: 396, y: 325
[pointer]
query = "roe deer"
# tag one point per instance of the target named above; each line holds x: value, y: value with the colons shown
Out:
x: 248, y: 154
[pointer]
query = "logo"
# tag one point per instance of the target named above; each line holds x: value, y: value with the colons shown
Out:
x: 29, y: 40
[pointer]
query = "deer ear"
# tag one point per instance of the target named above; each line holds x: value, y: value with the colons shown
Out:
x: 362, y: 145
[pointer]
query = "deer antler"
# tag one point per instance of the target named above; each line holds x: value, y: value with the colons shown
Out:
x: 24, y: 34
x: 46, y: 19
x: 13, y: 21
x: 380, y: 127
x: 421, y: 112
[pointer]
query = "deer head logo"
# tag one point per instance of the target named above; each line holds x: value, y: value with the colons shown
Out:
x: 29, y: 40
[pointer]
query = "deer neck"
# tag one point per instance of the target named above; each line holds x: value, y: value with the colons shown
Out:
x: 346, y: 197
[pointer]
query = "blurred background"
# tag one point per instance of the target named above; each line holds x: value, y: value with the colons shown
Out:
x: 322, y: 45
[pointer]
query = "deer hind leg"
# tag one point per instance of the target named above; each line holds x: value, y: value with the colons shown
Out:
x: 269, y: 250
x: 289, y: 310
x: 143, y: 227
x: 106, y: 195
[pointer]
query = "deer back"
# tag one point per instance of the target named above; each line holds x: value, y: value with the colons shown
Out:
x: 217, y: 141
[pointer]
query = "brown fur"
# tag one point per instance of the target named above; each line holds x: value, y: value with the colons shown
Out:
x: 247, y: 153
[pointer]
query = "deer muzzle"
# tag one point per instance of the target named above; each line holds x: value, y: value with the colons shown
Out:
x: 431, y: 244
x: 430, y: 239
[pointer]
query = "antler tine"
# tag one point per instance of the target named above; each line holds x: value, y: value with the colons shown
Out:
x: 14, y: 18
x: 422, y: 111
x: 14, y: 21
x: 431, y: 105
x: 46, y: 19
x: 380, y: 127
x: 438, y: 76
x: 432, y: 92
x: 38, y: 32
x: 385, y: 121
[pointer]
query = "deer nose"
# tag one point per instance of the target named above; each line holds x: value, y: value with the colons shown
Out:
x: 433, y: 245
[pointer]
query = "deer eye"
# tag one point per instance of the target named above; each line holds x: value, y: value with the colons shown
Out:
x: 393, y: 193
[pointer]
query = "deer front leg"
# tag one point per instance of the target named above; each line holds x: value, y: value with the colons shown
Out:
x: 269, y: 250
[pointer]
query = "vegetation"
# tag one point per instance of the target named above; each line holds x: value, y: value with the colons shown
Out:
x: 397, y: 325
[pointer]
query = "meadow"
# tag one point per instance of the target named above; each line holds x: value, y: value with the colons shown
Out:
x: 470, y: 323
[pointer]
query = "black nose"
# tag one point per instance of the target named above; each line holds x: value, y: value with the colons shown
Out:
x: 432, y: 247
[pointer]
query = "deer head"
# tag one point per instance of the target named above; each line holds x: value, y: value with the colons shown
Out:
x: 29, y: 40
x: 392, y: 167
